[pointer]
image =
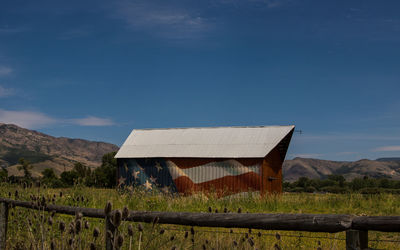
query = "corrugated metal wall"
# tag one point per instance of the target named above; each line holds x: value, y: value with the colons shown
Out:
x: 187, y: 175
x: 272, y: 172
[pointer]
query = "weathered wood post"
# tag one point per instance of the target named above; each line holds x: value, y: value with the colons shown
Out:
x: 356, y: 240
x: 3, y: 224
x: 110, y: 230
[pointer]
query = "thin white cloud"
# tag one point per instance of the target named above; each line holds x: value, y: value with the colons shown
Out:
x: 387, y: 149
x: 78, y: 32
x: 306, y: 155
x: 93, y: 121
x: 347, y: 153
x: 5, y: 70
x: 161, y: 19
x: 26, y: 119
x: 5, y: 92
x: 265, y: 4
x: 272, y: 3
x: 34, y: 119
x: 348, y: 137
x: 9, y: 30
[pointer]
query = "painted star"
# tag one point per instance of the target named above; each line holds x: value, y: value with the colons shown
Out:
x: 121, y: 180
x: 153, y: 179
x: 158, y: 166
x: 147, y: 185
x: 135, y: 174
x: 165, y: 189
x: 130, y: 188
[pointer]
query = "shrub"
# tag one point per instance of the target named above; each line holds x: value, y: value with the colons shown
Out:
x: 335, y: 189
x: 372, y: 190
x: 310, y: 189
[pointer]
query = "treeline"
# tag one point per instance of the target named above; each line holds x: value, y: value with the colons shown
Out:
x: 338, y: 184
x: 103, y: 176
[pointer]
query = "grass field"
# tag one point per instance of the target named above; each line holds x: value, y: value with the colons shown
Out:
x: 29, y: 229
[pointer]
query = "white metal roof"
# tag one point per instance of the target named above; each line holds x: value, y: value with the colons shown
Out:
x: 217, y: 142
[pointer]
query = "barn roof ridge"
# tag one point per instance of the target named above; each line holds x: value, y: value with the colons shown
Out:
x: 206, y: 142
x: 215, y: 127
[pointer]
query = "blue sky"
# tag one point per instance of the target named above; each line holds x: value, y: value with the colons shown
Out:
x: 98, y: 69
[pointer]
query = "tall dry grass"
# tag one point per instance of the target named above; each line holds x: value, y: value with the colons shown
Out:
x: 37, y: 229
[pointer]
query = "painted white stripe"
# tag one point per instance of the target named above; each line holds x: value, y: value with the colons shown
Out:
x: 174, y: 170
x: 212, y: 170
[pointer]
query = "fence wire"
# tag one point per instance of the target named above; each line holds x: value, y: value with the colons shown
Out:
x: 274, y: 235
x: 258, y: 233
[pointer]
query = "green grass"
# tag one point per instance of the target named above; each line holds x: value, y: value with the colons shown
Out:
x: 21, y: 234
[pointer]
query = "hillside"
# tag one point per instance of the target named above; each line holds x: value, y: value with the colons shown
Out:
x: 396, y: 159
x: 317, y: 169
x: 45, y: 151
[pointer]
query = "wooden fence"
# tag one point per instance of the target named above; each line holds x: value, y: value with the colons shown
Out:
x: 356, y: 227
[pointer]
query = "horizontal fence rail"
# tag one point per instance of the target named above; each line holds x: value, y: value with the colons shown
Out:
x: 356, y: 227
x: 288, y: 222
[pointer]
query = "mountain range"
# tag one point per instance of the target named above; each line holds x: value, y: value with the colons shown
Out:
x: 45, y: 151
x: 60, y: 153
x: 319, y: 169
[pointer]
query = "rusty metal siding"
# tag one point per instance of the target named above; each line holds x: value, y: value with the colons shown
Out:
x: 272, y: 172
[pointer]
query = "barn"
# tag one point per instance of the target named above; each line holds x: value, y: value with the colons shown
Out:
x: 225, y: 160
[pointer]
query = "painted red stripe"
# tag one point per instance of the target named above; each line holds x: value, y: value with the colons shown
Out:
x: 229, y: 184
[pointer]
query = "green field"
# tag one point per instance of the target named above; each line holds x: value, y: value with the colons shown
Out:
x: 29, y: 229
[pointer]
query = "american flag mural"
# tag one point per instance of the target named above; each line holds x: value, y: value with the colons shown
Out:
x: 191, y: 175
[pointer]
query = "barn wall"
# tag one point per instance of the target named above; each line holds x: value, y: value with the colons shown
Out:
x: 186, y: 175
x: 272, y: 172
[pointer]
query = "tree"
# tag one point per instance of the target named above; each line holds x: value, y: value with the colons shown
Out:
x: 26, y: 167
x: 79, y: 174
x: 337, y: 178
x: 3, y: 174
x: 49, y: 174
x: 50, y: 178
x: 106, y: 174
x: 83, y: 171
x: 384, y: 183
x: 357, y: 184
x: 69, y: 178
x: 302, y: 182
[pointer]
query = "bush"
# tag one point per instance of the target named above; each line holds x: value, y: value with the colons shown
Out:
x: 310, y: 189
x: 391, y: 191
x: 3, y: 174
x: 372, y: 190
x: 296, y: 190
x: 69, y: 177
x: 335, y: 189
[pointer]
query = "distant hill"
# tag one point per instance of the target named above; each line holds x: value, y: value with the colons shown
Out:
x: 45, y: 151
x: 395, y: 159
x: 317, y: 169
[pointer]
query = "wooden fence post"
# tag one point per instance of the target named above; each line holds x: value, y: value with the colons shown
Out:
x: 109, y: 228
x: 3, y: 224
x: 356, y: 240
